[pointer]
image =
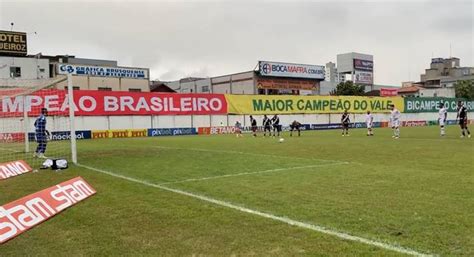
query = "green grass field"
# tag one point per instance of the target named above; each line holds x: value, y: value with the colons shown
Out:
x: 208, y: 196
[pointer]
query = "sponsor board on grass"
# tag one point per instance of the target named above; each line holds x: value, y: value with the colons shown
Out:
x: 414, y: 123
x: 12, y: 169
x: 267, y: 104
x: 171, y: 132
x: 18, y: 216
x: 13, y: 137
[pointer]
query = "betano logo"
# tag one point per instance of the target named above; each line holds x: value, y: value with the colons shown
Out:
x: 19, y: 216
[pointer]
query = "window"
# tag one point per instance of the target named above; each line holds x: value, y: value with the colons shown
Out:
x: 134, y: 90
x: 41, y: 70
x: 205, y: 89
x: 104, y: 89
x: 15, y: 72
x: 73, y: 88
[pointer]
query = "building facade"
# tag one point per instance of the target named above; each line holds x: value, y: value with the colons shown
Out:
x: 356, y: 67
x: 445, y: 72
x: 271, y: 78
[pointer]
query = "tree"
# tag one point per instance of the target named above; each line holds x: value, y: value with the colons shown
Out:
x: 348, y: 88
x: 464, y: 89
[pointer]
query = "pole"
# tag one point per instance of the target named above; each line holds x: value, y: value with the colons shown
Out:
x: 26, y: 124
x: 71, y: 118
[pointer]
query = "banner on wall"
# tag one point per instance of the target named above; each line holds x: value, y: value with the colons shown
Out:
x: 118, y: 133
x: 156, y: 132
x: 291, y: 70
x: 431, y: 104
x: 388, y: 91
x: 363, y: 77
x: 266, y: 104
x: 90, y: 70
x: 104, y: 103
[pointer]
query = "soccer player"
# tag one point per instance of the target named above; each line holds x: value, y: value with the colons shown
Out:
x: 369, y: 120
x: 395, y: 121
x: 443, y: 115
x: 462, y: 116
x: 267, y: 126
x: 345, y: 121
x: 253, y: 123
x: 41, y: 133
x: 238, y: 129
x: 295, y: 125
x: 276, y: 125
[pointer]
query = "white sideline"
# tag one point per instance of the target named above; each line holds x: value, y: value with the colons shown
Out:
x: 237, y: 152
x: 288, y: 221
x: 254, y: 172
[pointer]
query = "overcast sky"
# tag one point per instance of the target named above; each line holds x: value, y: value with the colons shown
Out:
x: 176, y: 39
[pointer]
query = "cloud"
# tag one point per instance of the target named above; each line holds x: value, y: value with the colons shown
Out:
x: 210, y: 38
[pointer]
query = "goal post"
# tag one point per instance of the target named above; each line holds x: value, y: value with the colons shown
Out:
x: 24, y: 105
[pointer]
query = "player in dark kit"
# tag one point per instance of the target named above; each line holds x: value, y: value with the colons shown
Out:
x: 462, y: 116
x: 276, y: 125
x: 295, y: 125
x: 267, y: 126
x: 253, y: 123
x: 345, y: 120
x: 41, y: 133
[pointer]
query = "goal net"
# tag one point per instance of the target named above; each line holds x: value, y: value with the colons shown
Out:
x: 35, y: 121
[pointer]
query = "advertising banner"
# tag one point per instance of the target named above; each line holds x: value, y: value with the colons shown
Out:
x: 12, y: 169
x: 171, y: 132
x: 88, y: 70
x: 103, y: 103
x: 292, y: 70
x: 363, y: 65
x: 64, y: 135
x: 431, y: 104
x: 18, y: 216
x: 388, y: 91
x: 277, y: 83
x: 13, y: 43
x: 13, y: 137
x: 266, y: 104
x: 414, y: 123
x: 363, y: 77
x: 119, y: 133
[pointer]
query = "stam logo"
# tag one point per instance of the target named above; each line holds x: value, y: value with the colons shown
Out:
x: 18, y: 216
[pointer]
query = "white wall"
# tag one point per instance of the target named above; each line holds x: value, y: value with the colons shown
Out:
x: 31, y: 68
x: 141, y: 122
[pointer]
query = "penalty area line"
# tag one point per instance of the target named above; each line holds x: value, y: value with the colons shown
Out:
x: 252, y: 173
x: 320, y: 229
x: 246, y: 153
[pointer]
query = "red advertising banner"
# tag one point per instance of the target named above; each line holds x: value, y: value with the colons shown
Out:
x: 14, y: 168
x: 216, y: 130
x: 388, y: 91
x: 98, y: 103
x: 18, y: 216
x: 13, y: 137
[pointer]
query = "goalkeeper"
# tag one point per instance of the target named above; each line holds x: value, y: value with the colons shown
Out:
x: 41, y: 133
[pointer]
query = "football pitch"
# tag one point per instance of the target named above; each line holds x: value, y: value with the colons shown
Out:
x: 315, y: 195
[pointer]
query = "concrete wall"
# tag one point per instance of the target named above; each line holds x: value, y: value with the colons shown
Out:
x: 31, y: 68
x: 141, y: 122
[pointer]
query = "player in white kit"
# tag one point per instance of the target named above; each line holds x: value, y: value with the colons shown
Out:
x: 369, y: 120
x: 443, y: 115
x: 395, y: 121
